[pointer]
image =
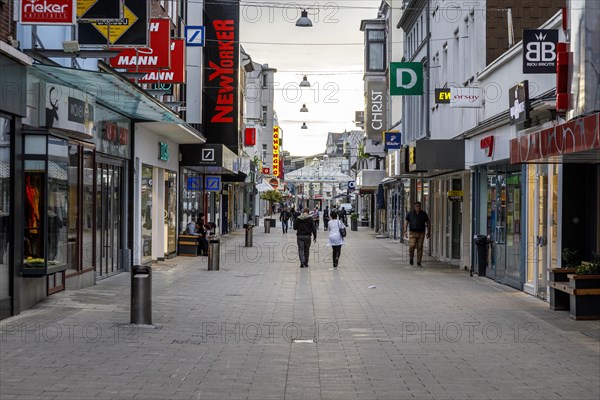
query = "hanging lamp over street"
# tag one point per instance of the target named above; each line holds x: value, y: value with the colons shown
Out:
x: 304, y: 21
x: 304, y: 126
x: 305, y: 82
x: 304, y: 109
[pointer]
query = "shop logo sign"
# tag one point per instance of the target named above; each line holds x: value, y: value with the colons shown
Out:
x: 487, y: 144
x: 518, y: 97
x: 442, y: 96
x: 406, y: 79
x: 47, y: 12
x: 208, y: 154
x: 392, y: 140
x: 539, y: 51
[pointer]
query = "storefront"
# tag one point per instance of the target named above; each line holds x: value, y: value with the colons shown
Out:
x: 498, y: 209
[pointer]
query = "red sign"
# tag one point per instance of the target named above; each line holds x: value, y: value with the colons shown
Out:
x: 47, y: 12
x: 158, y: 55
x: 175, y: 74
x: 266, y: 171
x: 249, y: 136
x: 571, y: 137
x: 487, y: 144
x: 274, y: 182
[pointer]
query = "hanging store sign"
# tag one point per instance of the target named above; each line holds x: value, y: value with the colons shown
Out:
x: 158, y: 55
x: 539, y: 51
x: 455, y: 195
x: 47, y: 12
x: 68, y: 109
x: 442, y: 96
x: 518, y: 99
x: 175, y: 74
x: 392, y: 140
x: 129, y: 31
x: 99, y: 9
x: 266, y: 170
x: 376, y: 111
x: 220, y: 109
x: 275, y: 164
x: 249, y: 136
x: 469, y: 97
x: 406, y: 79
x: 487, y: 144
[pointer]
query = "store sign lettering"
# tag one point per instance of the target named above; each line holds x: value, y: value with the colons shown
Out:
x: 572, y: 137
x: 275, y: 164
x: 224, y: 71
x: 116, y: 134
x: 487, y: 144
x: 47, y: 12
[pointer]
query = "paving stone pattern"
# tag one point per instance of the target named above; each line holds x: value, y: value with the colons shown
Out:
x: 262, y: 328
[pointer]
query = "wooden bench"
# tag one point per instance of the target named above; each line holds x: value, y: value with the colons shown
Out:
x: 188, y: 245
x: 580, y: 294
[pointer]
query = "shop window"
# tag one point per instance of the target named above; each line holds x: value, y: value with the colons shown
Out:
x: 5, y: 200
x: 146, y: 196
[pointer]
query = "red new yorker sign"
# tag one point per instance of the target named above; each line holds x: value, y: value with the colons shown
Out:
x: 571, y: 137
x: 143, y: 58
x: 47, y: 12
x: 175, y: 74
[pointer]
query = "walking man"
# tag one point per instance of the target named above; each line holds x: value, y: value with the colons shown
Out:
x: 326, y: 217
x: 419, y: 224
x: 284, y: 217
x: 305, y: 227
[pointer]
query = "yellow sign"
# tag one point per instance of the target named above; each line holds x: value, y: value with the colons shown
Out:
x: 112, y: 30
x: 455, y: 193
x: 83, y: 6
x: 412, y: 156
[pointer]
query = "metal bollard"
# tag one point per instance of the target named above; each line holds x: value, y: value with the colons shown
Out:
x: 267, y: 225
x: 214, y: 254
x: 141, y: 295
x: 249, y: 235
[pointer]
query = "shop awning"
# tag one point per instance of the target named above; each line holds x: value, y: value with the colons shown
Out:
x: 121, y: 95
x: 576, y: 141
x: 321, y: 174
x: 368, y: 179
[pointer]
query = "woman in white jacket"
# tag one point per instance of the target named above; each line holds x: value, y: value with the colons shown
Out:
x: 335, y: 239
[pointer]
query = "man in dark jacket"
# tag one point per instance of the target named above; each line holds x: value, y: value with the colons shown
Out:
x: 284, y: 217
x: 305, y: 227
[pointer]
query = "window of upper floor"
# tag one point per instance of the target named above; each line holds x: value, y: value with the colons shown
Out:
x: 375, y: 57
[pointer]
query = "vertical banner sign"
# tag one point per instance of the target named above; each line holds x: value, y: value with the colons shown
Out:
x: 376, y: 112
x: 539, y: 51
x: 220, y: 109
x: 275, y: 162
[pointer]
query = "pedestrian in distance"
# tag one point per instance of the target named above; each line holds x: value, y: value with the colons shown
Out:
x: 284, y: 217
x: 292, y: 215
x: 420, y: 227
x: 305, y: 227
x: 316, y: 217
x: 342, y: 215
x: 336, y: 239
x: 325, y: 217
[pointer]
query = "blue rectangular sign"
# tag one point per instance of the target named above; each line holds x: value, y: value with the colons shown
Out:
x: 194, y: 36
x: 392, y: 140
x: 213, y: 183
x: 194, y: 183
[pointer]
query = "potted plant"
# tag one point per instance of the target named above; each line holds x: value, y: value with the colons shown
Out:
x: 559, y: 280
x: 354, y: 221
x: 272, y: 196
x: 585, y: 287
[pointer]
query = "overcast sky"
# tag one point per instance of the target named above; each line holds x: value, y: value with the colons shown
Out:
x: 334, y: 71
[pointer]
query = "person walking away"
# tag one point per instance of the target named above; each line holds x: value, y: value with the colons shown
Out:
x: 292, y: 215
x: 326, y: 217
x: 284, y: 217
x: 316, y: 217
x: 418, y: 222
x: 305, y: 227
x: 335, y: 239
x: 343, y: 216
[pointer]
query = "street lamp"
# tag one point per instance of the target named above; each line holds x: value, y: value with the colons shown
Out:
x: 304, y: 21
x: 304, y: 126
x: 304, y: 109
x: 305, y: 82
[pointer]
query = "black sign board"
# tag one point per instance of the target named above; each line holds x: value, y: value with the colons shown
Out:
x: 103, y: 9
x: 518, y: 97
x: 131, y: 30
x: 442, y: 96
x: 79, y: 111
x: 539, y: 51
x: 220, y: 110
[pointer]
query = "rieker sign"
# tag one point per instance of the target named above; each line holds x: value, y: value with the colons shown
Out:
x: 47, y: 12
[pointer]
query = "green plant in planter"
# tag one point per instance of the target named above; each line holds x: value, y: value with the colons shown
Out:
x: 272, y: 196
x: 354, y: 216
x: 590, y: 268
x: 569, y: 258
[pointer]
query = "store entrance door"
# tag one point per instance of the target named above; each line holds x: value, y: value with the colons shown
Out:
x: 170, y: 222
x: 108, y: 218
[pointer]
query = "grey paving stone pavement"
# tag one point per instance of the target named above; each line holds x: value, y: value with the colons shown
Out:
x: 262, y: 328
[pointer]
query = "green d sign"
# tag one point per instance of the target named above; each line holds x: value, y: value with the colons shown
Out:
x: 406, y: 79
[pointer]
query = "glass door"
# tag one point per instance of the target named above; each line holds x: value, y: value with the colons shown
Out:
x: 108, y: 218
x: 170, y: 222
x: 542, y: 231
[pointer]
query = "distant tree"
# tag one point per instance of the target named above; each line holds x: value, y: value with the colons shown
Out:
x: 272, y: 196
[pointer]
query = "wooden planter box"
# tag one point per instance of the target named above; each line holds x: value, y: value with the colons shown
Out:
x: 559, y: 292
x: 585, y: 296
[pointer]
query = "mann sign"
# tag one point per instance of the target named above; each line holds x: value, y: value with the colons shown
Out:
x: 376, y: 112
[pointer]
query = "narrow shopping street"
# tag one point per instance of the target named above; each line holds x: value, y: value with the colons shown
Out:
x: 262, y: 328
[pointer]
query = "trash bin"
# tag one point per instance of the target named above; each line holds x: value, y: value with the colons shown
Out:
x: 267, y: 225
x: 214, y: 254
x: 141, y: 295
x: 249, y: 229
x: 481, y: 241
x: 256, y: 220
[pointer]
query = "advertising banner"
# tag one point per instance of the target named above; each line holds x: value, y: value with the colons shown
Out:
x: 468, y: 97
x: 47, y: 12
x: 275, y: 162
x: 406, y: 79
x: 539, y: 51
x: 158, y: 55
x: 220, y: 110
x: 175, y: 74
x: 376, y: 112
x: 129, y: 31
